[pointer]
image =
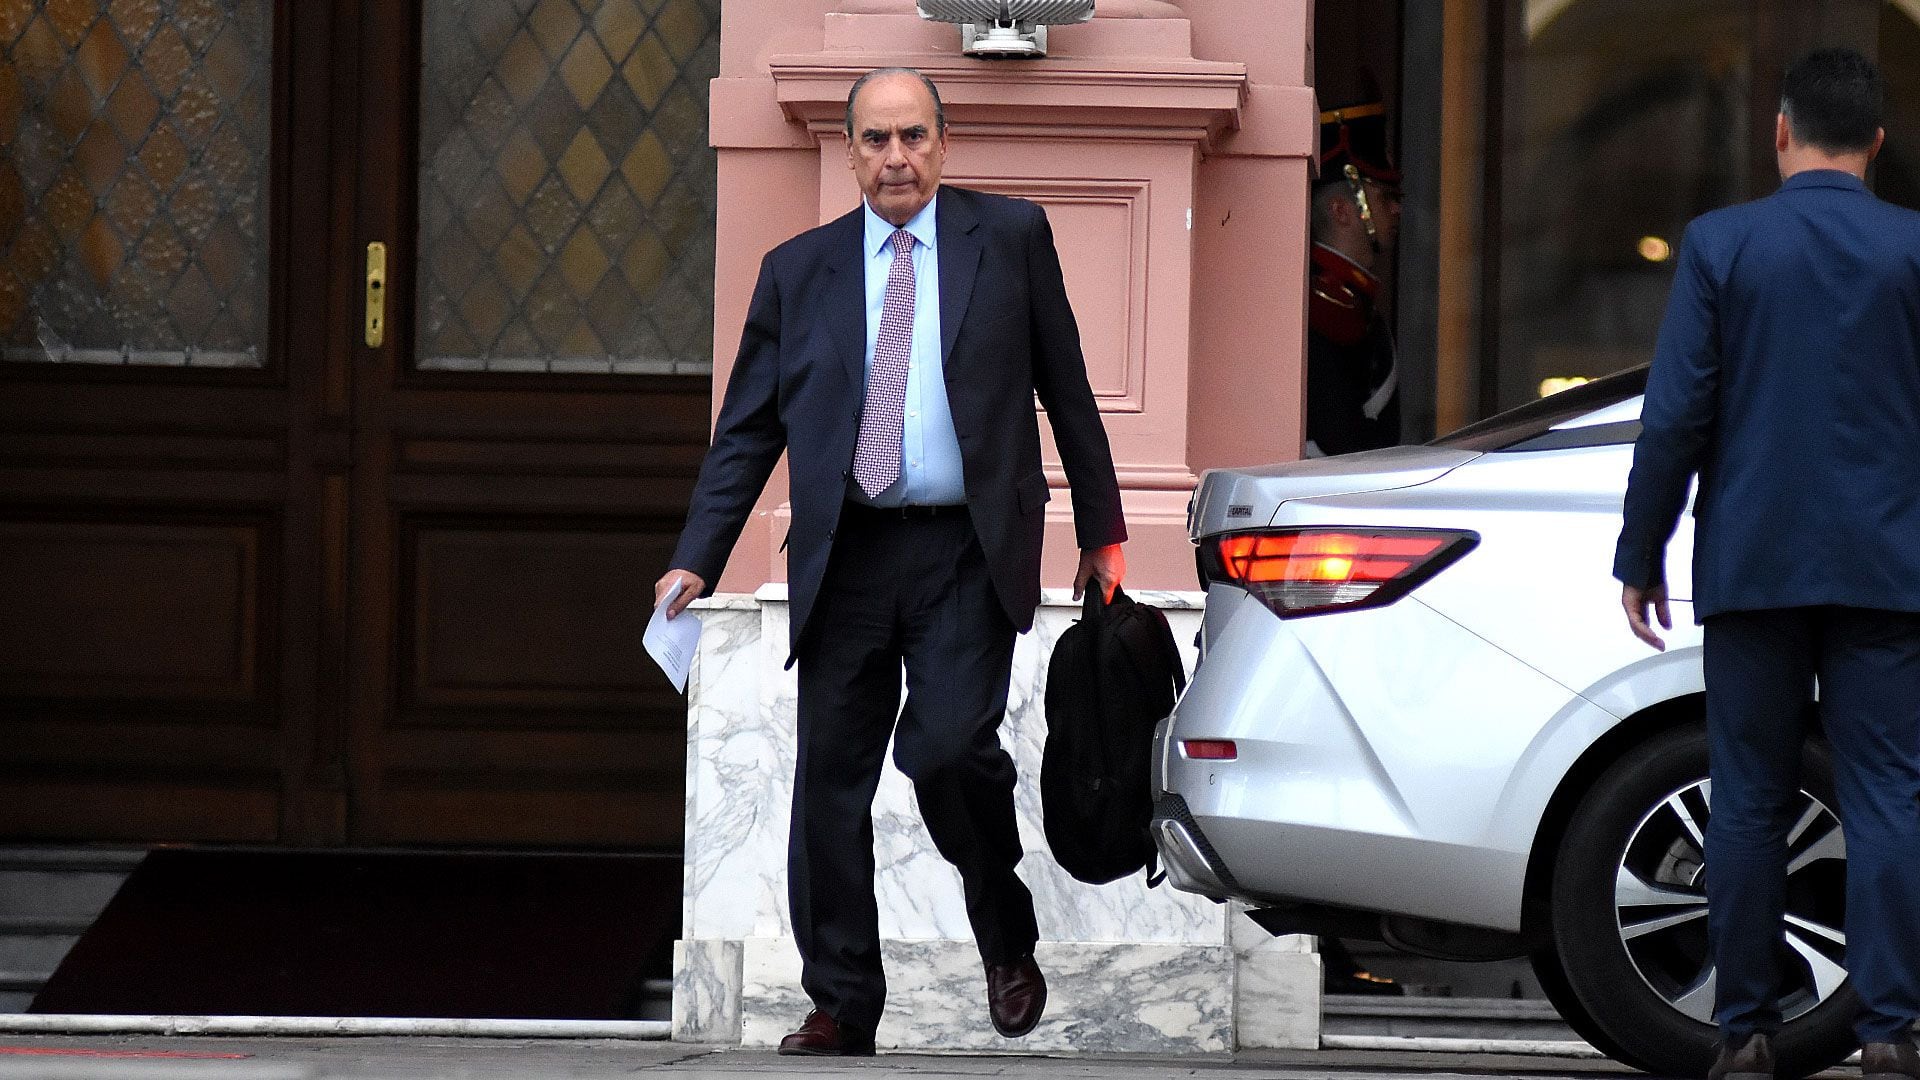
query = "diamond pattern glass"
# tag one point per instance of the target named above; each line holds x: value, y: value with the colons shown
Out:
x: 133, y: 182
x: 567, y: 190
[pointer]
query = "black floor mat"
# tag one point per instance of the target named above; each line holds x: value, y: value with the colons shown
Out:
x: 295, y: 933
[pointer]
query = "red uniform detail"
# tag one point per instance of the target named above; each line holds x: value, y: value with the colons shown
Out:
x: 1341, y: 297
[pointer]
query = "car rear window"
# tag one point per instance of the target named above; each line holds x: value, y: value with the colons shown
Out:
x: 1527, y: 427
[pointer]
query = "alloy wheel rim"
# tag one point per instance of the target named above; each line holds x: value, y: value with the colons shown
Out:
x: 1660, y: 904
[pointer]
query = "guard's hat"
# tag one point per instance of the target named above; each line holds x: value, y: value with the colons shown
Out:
x: 1356, y: 135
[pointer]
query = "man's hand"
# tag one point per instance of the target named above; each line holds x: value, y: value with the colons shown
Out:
x: 1105, y: 565
x: 694, y: 587
x: 1635, y: 600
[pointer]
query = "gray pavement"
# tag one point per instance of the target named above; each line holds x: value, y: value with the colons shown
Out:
x: 205, y: 1058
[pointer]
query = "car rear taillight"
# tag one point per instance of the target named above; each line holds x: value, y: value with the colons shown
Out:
x: 1210, y: 749
x: 1312, y: 571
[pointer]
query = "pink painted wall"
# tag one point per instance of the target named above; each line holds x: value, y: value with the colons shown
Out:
x: 1250, y: 240
x: 1171, y: 154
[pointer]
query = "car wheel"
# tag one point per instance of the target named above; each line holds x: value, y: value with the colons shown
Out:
x: 1628, y: 913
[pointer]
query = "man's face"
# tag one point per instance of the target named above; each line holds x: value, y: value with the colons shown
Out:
x: 1384, y: 201
x: 896, y: 149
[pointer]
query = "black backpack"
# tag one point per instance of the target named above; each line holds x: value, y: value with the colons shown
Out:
x: 1113, y: 677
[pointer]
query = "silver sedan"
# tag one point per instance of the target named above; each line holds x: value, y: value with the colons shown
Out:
x: 1419, y: 718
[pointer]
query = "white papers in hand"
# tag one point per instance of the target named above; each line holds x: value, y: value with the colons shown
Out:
x: 671, y: 642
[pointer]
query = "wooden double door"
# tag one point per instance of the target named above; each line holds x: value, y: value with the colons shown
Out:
x: 272, y: 569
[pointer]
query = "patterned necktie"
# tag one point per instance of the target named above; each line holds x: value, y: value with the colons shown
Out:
x: 876, y: 456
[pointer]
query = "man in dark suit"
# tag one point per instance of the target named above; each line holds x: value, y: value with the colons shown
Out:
x: 894, y: 354
x: 1787, y: 376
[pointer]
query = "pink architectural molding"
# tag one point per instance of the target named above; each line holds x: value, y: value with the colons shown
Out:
x: 1177, y: 188
x: 1105, y: 9
x: 1190, y: 101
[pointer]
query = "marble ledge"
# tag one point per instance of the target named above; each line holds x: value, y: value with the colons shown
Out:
x: 1102, y: 998
x: 775, y: 592
x: 1178, y: 1000
x: 737, y: 601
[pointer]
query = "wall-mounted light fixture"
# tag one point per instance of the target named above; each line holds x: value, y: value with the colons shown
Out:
x: 1006, y: 29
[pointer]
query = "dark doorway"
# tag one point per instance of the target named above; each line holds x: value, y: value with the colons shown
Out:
x: 1618, y: 122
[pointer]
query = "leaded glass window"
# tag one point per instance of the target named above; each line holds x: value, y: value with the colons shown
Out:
x: 133, y: 187
x: 567, y: 191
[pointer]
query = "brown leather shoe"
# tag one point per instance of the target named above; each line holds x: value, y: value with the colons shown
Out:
x: 821, y: 1036
x: 1016, y: 996
x: 1889, y: 1061
x: 1750, y: 1058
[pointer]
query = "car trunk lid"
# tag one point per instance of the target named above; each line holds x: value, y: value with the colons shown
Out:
x: 1230, y: 499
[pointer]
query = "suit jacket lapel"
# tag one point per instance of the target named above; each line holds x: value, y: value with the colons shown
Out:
x: 959, y: 263
x: 846, y: 295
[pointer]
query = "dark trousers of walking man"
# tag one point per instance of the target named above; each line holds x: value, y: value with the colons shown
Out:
x: 1762, y: 668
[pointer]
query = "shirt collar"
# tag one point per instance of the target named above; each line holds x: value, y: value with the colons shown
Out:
x: 1833, y: 178
x: 880, y: 230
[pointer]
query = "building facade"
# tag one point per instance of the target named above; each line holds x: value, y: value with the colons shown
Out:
x: 356, y: 360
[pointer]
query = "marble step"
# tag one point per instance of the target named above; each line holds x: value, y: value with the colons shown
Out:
x: 61, y: 883
x: 656, y: 1000
x: 48, y: 897
x: 1443, y: 1017
x: 29, y: 950
x: 1442, y: 978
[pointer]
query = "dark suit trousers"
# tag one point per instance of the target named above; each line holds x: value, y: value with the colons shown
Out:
x: 1761, y: 669
x: 912, y: 591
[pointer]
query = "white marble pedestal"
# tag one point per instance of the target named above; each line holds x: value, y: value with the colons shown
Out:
x: 1128, y: 968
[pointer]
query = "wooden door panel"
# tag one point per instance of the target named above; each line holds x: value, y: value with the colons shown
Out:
x: 118, y: 403
x: 184, y: 491
x: 103, y: 806
x: 554, y: 494
x: 139, y: 662
x: 526, y: 710
x: 521, y: 534
x: 121, y: 451
x: 180, y: 744
x: 154, y: 610
x: 429, y: 810
x: 551, y: 457
x: 609, y: 787
x: 533, y: 616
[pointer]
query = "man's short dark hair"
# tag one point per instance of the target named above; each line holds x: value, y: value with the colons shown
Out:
x: 1833, y: 100
x: 1320, y: 207
x: 939, y: 110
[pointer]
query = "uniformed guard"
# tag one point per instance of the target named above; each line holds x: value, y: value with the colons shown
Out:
x: 1353, y: 400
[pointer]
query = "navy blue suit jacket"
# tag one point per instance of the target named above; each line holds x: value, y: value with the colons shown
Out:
x: 1787, y: 376
x: 1007, y: 334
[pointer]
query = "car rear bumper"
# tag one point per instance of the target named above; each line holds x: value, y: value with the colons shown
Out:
x: 1189, y: 859
x: 1371, y: 769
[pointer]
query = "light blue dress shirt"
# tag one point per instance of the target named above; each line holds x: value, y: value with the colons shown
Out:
x: 930, y: 471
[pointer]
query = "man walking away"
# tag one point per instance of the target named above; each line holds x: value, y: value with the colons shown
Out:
x: 1787, y: 376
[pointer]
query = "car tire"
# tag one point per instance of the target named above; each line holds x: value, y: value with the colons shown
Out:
x: 1553, y: 982
x: 1615, y: 829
